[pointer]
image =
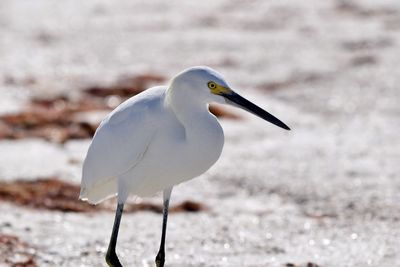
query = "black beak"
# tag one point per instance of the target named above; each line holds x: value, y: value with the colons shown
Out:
x: 241, y: 102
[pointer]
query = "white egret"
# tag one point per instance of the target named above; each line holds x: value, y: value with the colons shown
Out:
x: 157, y: 139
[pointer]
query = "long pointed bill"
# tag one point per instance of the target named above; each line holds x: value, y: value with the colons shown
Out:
x: 241, y: 102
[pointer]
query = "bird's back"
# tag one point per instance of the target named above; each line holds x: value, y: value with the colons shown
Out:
x: 120, y: 142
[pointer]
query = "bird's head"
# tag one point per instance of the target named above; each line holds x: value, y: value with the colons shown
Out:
x: 209, y: 86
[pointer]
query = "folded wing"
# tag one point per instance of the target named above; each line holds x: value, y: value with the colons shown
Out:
x: 119, y: 145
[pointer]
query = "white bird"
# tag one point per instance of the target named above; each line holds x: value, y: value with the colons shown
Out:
x: 157, y: 139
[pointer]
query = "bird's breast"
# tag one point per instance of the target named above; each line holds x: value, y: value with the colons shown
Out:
x: 203, y: 145
x: 192, y: 148
x: 178, y: 153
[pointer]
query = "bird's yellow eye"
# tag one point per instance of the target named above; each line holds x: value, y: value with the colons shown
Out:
x: 212, y: 85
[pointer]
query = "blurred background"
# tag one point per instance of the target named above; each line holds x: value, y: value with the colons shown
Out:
x: 325, y: 194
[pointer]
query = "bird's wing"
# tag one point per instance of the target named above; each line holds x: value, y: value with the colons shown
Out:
x: 119, y: 144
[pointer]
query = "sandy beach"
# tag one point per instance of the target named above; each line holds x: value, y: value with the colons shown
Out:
x: 325, y: 194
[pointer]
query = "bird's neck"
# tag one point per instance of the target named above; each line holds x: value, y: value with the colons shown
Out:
x: 192, y: 113
x: 203, y: 133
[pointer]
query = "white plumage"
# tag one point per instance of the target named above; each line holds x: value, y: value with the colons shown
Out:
x: 147, y: 143
x: 157, y: 139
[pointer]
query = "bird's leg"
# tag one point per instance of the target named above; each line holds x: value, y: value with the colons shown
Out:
x: 111, y: 256
x: 160, y: 258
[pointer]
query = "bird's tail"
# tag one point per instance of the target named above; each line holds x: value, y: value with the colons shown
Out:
x: 98, y: 192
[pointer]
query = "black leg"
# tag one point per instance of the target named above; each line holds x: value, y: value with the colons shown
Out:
x: 111, y: 256
x: 160, y: 259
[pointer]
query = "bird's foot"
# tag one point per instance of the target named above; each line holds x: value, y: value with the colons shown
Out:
x: 160, y: 259
x: 112, y: 259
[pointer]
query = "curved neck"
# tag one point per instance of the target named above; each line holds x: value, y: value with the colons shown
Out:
x: 203, y: 133
x: 191, y: 112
